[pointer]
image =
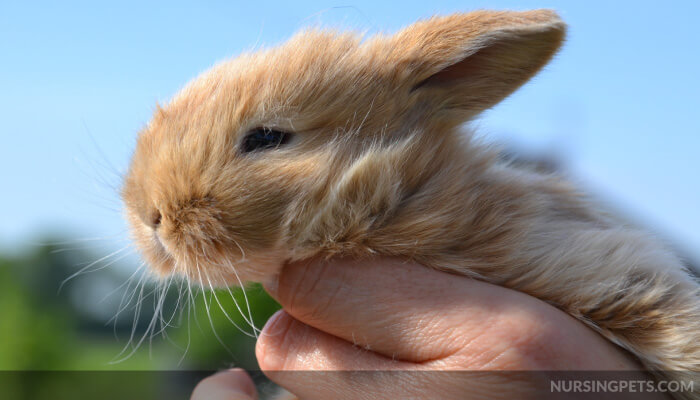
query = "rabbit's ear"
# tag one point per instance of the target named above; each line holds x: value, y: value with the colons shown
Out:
x: 466, y: 63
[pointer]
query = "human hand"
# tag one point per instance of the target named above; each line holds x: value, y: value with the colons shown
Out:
x: 232, y: 384
x: 389, y: 315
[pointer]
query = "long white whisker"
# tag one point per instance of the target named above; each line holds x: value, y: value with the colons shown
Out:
x: 245, y: 295
x: 123, y: 284
x: 149, y: 329
x: 124, y: 305
x: 249, y: 319
x: 190, y: 305
x: 211, y: 321
x: 226, y: 314
x: 93, y: 263
x: 166, y: 324
x: 137, y: 314
x: 109, y: 166
x: 159, y: 297
x: 178, y: 304
x: 118, y: 236
x: 240, y: 248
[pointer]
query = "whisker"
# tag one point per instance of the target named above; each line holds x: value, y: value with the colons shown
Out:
x: 239, y: 247
x: 84, y: 269
x: 159, y: 296
x: 190, y: 304
x: 254, y: 335
x: 137, y: 314
x: 211, y: 321
x: 178, y: 311
x: 110, y: 167
x: 149, y: 330
x: 110, y: 239
x: 124, y: 305
x: 245, y: 297
x: 122, y: 285
x: 167, y: 324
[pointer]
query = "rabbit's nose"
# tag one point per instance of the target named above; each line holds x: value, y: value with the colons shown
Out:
x: 155, y: 219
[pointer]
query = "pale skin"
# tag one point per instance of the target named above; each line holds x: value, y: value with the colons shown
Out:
x: 386, y: 314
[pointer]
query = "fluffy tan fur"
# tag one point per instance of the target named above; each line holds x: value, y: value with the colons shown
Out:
x: 378, y: 165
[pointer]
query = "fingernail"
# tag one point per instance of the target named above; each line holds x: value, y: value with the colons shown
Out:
x: 273, y: 356
x: 227, y: 384
x: 249, y: 386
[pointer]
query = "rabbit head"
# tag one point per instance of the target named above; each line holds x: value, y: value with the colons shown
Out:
x: 227, y: 177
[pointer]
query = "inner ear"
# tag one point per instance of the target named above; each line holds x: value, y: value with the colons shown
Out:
x: 459, y: 71
x: 493, y: 69
x: 503, y: 61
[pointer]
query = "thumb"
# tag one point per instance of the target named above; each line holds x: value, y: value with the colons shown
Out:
x: 232, y: 384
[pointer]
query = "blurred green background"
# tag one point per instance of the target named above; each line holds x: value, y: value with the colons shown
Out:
x: 109, y: 318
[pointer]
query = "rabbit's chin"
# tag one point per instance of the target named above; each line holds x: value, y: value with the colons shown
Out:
x: 209, y: 267
x: 238, y: 273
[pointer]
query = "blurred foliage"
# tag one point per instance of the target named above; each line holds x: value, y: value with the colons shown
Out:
x: 101, y: 320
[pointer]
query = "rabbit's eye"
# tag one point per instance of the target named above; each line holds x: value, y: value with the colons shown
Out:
x: 263, y: 139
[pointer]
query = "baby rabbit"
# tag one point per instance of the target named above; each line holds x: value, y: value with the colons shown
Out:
x: 333, y: 145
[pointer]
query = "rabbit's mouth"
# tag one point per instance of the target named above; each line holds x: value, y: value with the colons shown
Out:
x: 159, y: 244
x: 226, y: 272
x: 161, y: 259
x: 212, y: 264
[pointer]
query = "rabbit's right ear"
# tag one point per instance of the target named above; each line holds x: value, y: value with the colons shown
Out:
x: 466, y: 63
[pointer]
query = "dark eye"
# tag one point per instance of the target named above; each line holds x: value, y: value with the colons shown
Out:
x: 263, y: 139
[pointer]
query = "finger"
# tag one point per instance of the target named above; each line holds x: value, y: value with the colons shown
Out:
x: 287, y: 344
x: 233, y: 384
x: 401, y: 310
x: 315, y: 365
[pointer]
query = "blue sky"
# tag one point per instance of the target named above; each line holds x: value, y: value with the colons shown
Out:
x: 619, y: 105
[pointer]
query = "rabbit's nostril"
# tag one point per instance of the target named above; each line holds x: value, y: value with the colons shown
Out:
x: 156, y: 217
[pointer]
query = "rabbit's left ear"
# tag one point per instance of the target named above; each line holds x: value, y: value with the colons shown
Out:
x: 466, y: 63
